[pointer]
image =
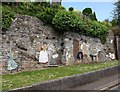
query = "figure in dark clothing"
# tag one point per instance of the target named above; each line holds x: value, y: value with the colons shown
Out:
x: 80, y: 56
x: 94, y: 54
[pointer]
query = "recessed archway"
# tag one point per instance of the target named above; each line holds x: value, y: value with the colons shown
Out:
x: 75, y: 48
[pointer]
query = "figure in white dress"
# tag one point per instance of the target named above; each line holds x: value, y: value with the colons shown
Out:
x: 43, y: 56
x: 68, y: 56
x: 85, y: 51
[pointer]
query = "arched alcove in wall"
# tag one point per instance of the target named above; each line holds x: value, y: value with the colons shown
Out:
x: 75, y: 48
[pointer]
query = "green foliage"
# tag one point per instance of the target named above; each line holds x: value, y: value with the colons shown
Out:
x: 117, y: 12
x: 116, y: 19
x: 104, y: 33
x: 66, y: 21
x: 107, y: 23
x: 114, y: 22
x: 49, y: 12
x: 70, y: 21
x: 87, y: 11
x: 9, y: 3
x: 96, y: 30
x: 78, y: 13
x: 93, y: 16
x: 47, y: 15
x: 41, y: 10
x: 56, y: 15
x: 116, y: 30
x: 71, y: 9
x: 7, y: 17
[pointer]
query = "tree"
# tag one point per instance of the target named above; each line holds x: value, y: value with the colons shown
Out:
x: 48, y: 13
x: 7, y: 17
x: 78, y: 13
x: 87, y: 11
x: 116, y: 19
x: 67, y: 21
x: 71, y: 9
x: 117, y: 12
x: 114, y: 22
x: 107, y: 23
x: 93, y: 16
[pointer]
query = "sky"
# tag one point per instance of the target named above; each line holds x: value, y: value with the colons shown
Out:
x: 102, y: 9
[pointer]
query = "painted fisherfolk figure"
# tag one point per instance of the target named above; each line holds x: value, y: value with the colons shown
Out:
x: 68, y: 57
x: 79, y: 56
x: 43, y: 56
x: 12, y: 65
x: 85, y: 52
x: 94, y: 54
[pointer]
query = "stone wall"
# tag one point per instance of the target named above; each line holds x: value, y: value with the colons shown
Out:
x: 105, y: 52
x: 27, y: 34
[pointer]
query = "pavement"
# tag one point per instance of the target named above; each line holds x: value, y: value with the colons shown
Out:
x: 100, y: 84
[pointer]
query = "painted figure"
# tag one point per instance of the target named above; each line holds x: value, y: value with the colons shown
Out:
x: 80, y: 56
x: 84, y: 48
x: 54, y: 57
x: 11, y: 63
x: 112, y: 56
x: 43, y: 56
x: 94, y: 54
x: 68, y: 56
x: 85, y: 52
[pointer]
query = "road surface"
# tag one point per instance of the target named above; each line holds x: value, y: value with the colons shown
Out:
x: 107, y: 83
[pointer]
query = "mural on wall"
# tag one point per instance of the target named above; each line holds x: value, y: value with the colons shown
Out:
x: 43, y: 56
x: 11, y: 59
x: 68, y: 57
x: 84, y: 51
x: 79, y: 56
x: 38, y: 43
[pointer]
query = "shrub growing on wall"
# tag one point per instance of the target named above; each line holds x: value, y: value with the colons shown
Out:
x: 7, y: 17
x: 69, y: 21
x: 48, y: 14
x: 66, y: 21
x: 41, y: 10
x: 61, y: 19
x: 96, y: 29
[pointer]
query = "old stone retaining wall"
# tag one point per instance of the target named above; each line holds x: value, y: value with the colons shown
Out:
x: 27, y: 34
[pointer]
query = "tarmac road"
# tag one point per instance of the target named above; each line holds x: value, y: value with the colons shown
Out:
x: 101, y: 84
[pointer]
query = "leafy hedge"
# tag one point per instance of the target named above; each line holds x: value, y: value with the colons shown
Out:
x: 41, y: 10
x: 48, y: 14
x: 69, y: 21
x: 7, y: 17
x: 55, y: 15
x: 66, y: 21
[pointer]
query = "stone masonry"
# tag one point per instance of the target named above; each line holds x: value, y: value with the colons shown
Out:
x: 26, y: 36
